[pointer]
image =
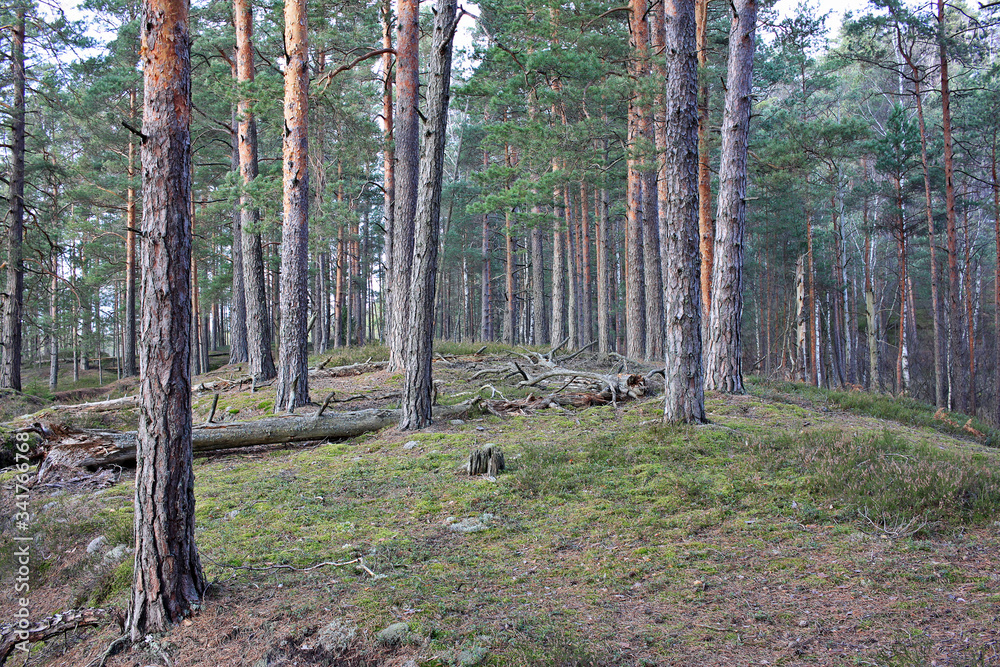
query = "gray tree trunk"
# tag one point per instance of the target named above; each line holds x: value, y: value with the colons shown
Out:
x: 679, y: 234
x: 10, y: 335
x: 541, y: 322
x: 604, y: 316
x: 417, y: 385
x: 724, y: 364
x: 238, y: 308
x: 257, y: 318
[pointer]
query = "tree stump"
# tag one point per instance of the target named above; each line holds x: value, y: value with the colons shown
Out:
x: 487, y: 461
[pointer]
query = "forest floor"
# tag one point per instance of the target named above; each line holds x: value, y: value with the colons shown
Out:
x: 800, y: 526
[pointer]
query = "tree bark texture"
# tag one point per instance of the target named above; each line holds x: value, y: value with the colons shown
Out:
x: 706, y: 225
x: 683, y: 385
x: 407, y: 135
x: 293, y: 343
x: 604, y: 315
x: 388, y: 161
x: 558, y: 267
x: 635, y: 274
x: 128, y: 351
x: 510, y: 280
x: 258, y: 322
x: 541, y: 322
x: 168, y: 583
x: 10, y: 336
x: 418, y: 386
x: 54, y: 318
x: 238, y: 307
x: 955, y: 315
x: 724, y: 366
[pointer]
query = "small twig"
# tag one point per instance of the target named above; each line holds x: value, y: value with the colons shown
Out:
x: 480, y: 350
x: 111, y: 650
x: 326, y: 403
x: 488, y: 371
x: 495, y: 392
x: 548, y: 355
x: 580, y: 351
x: 360, y: 562
x: 708, y: 627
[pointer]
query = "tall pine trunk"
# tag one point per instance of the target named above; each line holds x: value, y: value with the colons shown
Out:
x: 541, y: 321
x: 168, y: 583
x: 128, y: 351
x: 418, y: 385
x: 238, y: 307
x: 635, y: 272
x: 706, y: 225
x: 406, y: 134
x: 258, y: 321
x: 683, y: 385
x: 724, y: 365
x: 955, y: 316
x: 388, y: 159
x: 293, y: 353
x: 10, y: 335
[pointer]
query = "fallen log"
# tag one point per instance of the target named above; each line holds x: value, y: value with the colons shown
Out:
x: 87, y: 448
x: 352, y: 369
x: 99, y: 406
x: 13, y: 637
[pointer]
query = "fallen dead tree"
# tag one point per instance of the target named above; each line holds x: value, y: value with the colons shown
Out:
x: 360, y: 368
x: 611, y: 387
x: 99, y: 406
x: 13, y: 637
x: 89, y: 448
x: 532, y: 403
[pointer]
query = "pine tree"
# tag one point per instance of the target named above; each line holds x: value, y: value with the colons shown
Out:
x: 168, y: 583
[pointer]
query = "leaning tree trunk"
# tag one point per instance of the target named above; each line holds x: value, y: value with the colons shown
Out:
x: 724, y: 367
x: 683, y: 384
x: 407, y: 145
x: 417, y: 385
x: 168, y: 583
x: 257, y: 319
x: 10, y: 335
x: 293, y: 368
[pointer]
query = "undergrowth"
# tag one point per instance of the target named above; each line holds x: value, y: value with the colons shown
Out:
x: 888, y: 482
x: 901, y: 409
